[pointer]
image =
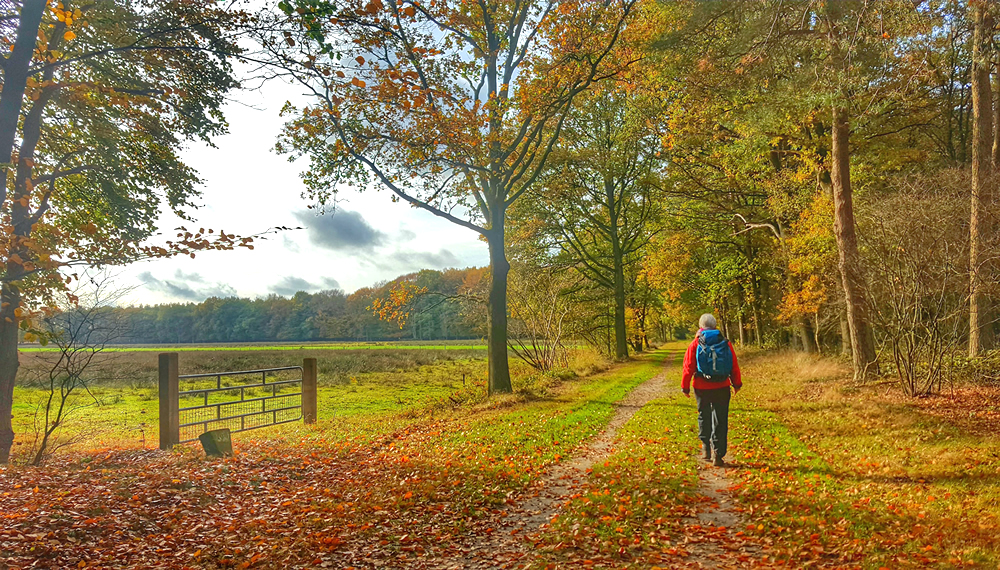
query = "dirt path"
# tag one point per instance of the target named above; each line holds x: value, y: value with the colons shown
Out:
x: 710, y: 536
x: 506, y: 546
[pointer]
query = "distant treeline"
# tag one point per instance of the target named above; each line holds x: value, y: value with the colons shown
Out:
x: 326, y: 315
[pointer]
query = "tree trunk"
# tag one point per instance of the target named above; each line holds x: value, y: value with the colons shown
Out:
x: 11, y: 298
x: 982, y: 129
x: 725, y: 319
x: 845, y: 335
x: 804, y: 334
x: 618, y: 261
x: 15, y: 77
x: 756, y: 326
x: 743, y: 328
x: 496, y: 343
x: 862, y: 343
x: 995, y: 159
x: 621, y: 338
x: 819, y: 347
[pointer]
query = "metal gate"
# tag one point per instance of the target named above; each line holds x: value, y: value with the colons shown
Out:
x: 247, y: 399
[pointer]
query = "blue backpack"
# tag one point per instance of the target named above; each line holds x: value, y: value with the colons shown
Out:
x: 715, y: 360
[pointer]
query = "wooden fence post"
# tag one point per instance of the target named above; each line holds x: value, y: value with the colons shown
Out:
x: 169, y: 401
x: 309, y: 378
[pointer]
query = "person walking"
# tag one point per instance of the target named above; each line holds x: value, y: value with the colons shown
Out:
x: 710, y: 362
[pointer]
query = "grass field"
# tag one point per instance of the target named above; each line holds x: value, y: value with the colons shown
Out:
x: 120, y: 406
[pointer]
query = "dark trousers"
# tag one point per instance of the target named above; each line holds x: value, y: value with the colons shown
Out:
x: 713, y: 418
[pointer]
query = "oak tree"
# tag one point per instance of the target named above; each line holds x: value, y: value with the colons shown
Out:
x: 453, y: 105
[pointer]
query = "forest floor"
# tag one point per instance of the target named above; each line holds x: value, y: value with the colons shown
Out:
x: 598, y: 471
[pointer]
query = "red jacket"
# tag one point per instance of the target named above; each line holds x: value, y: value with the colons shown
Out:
x: 691, y: 371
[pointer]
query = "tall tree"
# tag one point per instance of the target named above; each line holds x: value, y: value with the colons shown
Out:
x: 982, y: 169
x: 849, y: 260
x: 97, y: 101
x: 453, y: 106
x: 599, y: 199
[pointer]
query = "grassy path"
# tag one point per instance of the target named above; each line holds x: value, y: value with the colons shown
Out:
x: 519, y: 524
x: 640, y: 507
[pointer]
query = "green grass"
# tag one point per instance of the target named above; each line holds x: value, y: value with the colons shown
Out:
x: 527, y: 435
x: 109, y: 416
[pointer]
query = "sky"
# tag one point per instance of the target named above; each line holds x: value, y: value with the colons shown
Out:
x: 248, y: 188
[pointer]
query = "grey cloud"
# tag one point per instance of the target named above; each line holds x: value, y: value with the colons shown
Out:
x: 291, y: 285
x: 407, y: 235
x: 192, y: 277
x: 408, y: 260
x: 182, y: 290
x: 342, y: 230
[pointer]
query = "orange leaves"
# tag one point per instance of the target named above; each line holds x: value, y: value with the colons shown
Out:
x: 357, y: 82
x: 360, y: 60
x: 409, y: 11
x: 396, y: 305
x: 373, y: 7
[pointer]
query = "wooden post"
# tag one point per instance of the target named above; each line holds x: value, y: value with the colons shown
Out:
x: 169, y: 401
x: 309, y: 403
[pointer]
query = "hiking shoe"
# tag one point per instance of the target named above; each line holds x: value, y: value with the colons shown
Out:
x: 718, y: 461
x: 708, y: 454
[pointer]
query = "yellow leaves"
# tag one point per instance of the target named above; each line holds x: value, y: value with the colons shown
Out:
x: 69, y: 35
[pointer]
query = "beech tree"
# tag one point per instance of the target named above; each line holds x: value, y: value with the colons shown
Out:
x: 982, y: 169
x: 98, y: 99
x: 453, y: 106
x: 600, y: 199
